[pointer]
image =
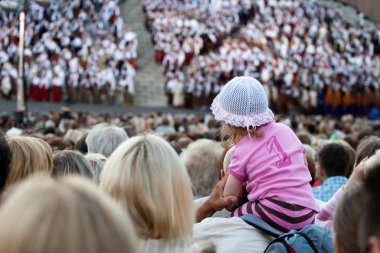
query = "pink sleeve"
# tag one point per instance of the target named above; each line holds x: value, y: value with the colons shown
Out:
x: 327, y: 212
x: 236, y: 168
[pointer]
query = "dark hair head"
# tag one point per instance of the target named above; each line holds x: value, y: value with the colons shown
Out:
x: 335, y: 159
x: 5, y: 160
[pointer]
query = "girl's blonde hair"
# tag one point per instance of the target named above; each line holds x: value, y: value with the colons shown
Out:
x: 146, y: 176
x: 30, y: 155
x: 64, y: 216
x: 232, y: 134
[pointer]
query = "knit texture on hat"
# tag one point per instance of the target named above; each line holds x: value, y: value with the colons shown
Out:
x: 242, y: 102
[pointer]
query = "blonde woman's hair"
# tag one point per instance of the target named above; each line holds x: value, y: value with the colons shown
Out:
x: 30, y: 155
x: 147, y: 177
x: 64, y: 216
x: 201, y: 158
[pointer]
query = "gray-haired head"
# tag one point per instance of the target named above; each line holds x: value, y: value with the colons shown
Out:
x: 97, y: 162
x: 104, y: 139
x: 68, y: 162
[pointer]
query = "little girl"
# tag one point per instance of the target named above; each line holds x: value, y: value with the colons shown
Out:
x: 268, y: 158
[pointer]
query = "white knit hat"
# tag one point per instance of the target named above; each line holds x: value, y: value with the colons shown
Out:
x: 242, y: 103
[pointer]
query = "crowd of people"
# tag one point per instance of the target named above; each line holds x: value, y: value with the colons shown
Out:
x: 154, y: 165
x: 307, y: 55
x: 184, y: 29
x: 75, y: 51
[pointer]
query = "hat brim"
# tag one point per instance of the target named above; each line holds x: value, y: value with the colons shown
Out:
x: 251, y: 120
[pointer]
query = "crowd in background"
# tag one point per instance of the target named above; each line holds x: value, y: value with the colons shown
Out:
x: 307, y: 55
x: 177, y: 127
x: 184, y: 29
x: 74, y: 51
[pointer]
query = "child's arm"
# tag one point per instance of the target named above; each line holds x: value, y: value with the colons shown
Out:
x: 233, y: 188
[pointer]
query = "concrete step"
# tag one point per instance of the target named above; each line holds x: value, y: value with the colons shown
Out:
x: 149, y: 80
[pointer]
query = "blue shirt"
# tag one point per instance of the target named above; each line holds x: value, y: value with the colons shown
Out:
x: 329, y: 187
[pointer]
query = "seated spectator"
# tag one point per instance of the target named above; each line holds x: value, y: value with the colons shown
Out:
x: 146, y: 176
x: 148, y: 179
x: 332, y: 169
x: 29, y: 156
x: 97, y: 162
x: 64, y: 216
x: 325, y: 217
x: 68, y: 162
x: 201, y: 158
x: 5, y: 160
x: 104, y: 139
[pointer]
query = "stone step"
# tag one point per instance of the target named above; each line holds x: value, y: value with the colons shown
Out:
x: 149, y: 79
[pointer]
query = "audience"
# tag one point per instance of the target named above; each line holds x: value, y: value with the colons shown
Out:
x: 327, y: 69
x: 64, y: 216
x: 77, y: 51
x: 149, y: 180
x: 135, y: 191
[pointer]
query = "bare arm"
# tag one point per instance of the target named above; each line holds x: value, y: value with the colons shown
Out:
x: 233, y: 187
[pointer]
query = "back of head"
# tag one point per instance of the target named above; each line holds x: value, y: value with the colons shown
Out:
x: 5, y: 160
x: 104, y: 139
x: 346, y: 220
x: 67, y: 162
x: 147, y: 177
x: 335, y: 159
x: 69, y: 216
x: 370, y: 226
x: 367, y: 147
x: 30, y: 155
x: 97, y: 162
x: 201, y: 158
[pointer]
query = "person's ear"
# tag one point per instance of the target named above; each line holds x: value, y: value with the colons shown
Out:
x: 320, y: 173
x: 374, y: 244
